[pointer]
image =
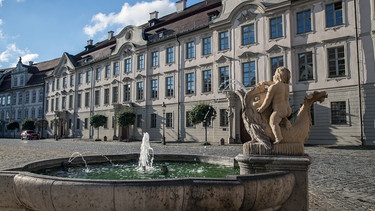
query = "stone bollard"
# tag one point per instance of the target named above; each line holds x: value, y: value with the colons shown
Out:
x: 222, y: 141
x: 105, y: 138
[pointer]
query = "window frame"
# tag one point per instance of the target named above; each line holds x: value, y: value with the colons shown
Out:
x: 223, y: 41
x: 249, y: 72
x: 251, y: 35
x: 276, y: 28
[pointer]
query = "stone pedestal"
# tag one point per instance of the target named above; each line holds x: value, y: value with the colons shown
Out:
x: 251, y: 163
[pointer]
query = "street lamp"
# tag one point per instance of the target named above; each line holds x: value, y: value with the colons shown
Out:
x: 163, y: 139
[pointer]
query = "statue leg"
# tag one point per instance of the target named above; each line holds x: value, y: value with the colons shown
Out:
x: 274, y: 124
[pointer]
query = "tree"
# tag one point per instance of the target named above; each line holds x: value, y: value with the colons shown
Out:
x: 126, y: 117
x: 13, y: 126
x: 202, y: 113
x: 28, y: 124
x: 97, y: 121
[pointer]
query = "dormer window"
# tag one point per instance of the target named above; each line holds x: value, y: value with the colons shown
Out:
x: 15, y: 80
x: 213, y: 15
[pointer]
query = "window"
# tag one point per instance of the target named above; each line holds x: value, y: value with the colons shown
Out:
x: 86, y: 123
x: 26, y: 113
x: 57, y: 84
x: 80, y: 78
x: 47, y: 87
x: 53, y: 85
x: 305, y: 66
x: 224, y: 77
x: 15, y: 81
x: 338, y: 113
x: 8, y: 100
x: 190, y: 83
x: 72, y: 80
x: 20, y: 95
x: 115, y: 94
x: 78, y: 123
x: 41, y: 96
x: 98, y: 74
x: 336, y: 62
x: 154, y: 88
x: 63, y: 102
x: 70, y: 101
x: 79, y: 100
x: 88, y: 76
x: 107, y: 72
x: 170, y: 55
x: 126, y: 92
x: 27, y: 98
x: 155, y: 59
x: 21, y: 81
x: 106, y: 96
x: 334, y: 14
x: 106, y: 123
x: 248, y: 34
x: 207, y: 82
x: 248, y: 74
x: 87, y: 99
x: 97, y: 97
x: 153, y: 121
x: 169, y: 120
x: 188, y: 121
x: 33, y: 98
x: 207, y: 46
x: 57, y: 104
x: 65, y: 82
x: 169, y: 86
x: 223, y: 41
x: 190, y: 50
x: 14, y: 101
x: 303, y: 22
x: 19, y: 114
x: 276, y: 27
x: 139, y: 120
x: 70, y: 124
x: 276, y: 62
x: 141, y: 62
x: 116, y: 70
x: 139, y: 90
x: 47, y: 104
x: 52, y: 104
x: 128, y: 65
x: 223, y: 118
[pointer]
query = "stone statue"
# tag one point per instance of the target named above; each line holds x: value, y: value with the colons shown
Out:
x: 265, y: 116
x: 277, y: 97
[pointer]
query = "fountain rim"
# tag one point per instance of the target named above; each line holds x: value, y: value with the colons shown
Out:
x: 55, y: 162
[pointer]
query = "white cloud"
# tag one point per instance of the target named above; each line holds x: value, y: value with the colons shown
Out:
x: 1, y: 3
x: 129, y: 15
x: 12, y: 53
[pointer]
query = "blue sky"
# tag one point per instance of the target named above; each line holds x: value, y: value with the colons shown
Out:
x: 41, y: 30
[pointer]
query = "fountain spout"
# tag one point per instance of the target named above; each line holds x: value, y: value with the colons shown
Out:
x: 146, y: 156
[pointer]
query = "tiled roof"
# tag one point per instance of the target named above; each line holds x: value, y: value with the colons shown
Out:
x: 47, y: 65
x: 192, y: 18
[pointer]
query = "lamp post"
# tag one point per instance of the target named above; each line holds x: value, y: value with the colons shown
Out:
x: 163, y: 139
x: 205, y: 126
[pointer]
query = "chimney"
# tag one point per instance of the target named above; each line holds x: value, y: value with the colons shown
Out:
x: 180, y: 6
x: 89, y: 42
x: 154, y: 15
x: 110, y: 35
x: 89, y: 45
x: 31, y: 63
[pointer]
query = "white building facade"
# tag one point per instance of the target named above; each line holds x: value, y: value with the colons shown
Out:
x: 163, y: 68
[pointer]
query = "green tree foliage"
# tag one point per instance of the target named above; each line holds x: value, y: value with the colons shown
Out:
x: 13, y: 126
x: 199, y: 112
x: 126, y: 117
x: 97, y: 121
x: 28, y: 124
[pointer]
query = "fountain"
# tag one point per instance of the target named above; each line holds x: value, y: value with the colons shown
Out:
x: 272, y: 176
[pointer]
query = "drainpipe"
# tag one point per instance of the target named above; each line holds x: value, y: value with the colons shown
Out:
x: 178, y: 87
x: 92, y: 100
x: 359, y: 73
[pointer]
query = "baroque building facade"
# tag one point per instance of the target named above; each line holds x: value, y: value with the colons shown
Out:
x: 201, y: 53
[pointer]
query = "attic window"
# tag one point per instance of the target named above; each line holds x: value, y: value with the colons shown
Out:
x: 160, y: 32
x: 212, y: 15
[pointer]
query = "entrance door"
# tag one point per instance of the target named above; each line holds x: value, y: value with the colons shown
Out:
x: 125, y: 132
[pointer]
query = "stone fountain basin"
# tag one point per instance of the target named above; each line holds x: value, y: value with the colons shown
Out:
x: 22, y: 190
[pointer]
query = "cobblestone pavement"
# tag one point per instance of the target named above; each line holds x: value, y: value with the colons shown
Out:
x: 340, y: 177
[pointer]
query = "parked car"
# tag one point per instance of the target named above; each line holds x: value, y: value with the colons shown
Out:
x: 29, y: 134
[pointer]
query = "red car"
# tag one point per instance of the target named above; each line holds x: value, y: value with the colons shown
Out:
x: 29, y: 134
